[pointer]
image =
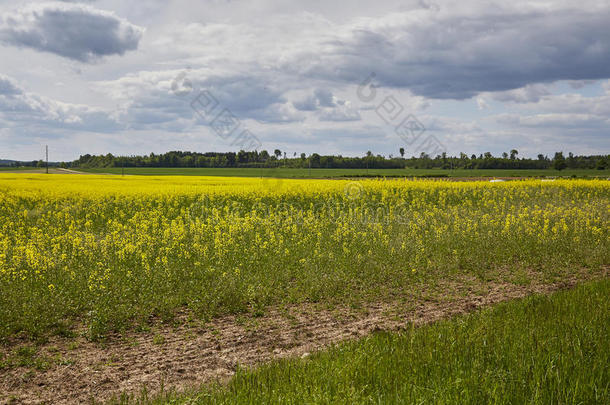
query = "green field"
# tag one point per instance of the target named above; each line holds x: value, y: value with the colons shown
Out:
x: 539, y: 350
x: 330, y: 173
x: 19, y: 168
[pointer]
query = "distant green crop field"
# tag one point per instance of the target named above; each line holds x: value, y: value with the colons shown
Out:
x: 11, y: 169
x: 329, y: 173
x: 539, y: 350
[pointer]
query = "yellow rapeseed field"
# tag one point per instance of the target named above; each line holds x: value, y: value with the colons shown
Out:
x: 111, y: 251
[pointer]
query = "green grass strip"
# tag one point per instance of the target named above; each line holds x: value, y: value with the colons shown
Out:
x: 539, y: 350
x: 282, y: 172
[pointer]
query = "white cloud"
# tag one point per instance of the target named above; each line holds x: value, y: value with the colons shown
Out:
x: 482, y: 103
x: 531, y: 93
x: 8, y: 86
x: 73, y: 31
x: 560, y: 121
x: 21, y: 108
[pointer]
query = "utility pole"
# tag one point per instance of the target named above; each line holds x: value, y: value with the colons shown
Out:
x: 47, y: 155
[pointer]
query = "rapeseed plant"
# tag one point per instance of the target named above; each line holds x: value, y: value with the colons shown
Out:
x: 123, y: 249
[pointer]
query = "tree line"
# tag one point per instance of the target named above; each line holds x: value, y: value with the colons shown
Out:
x: 254, y: 159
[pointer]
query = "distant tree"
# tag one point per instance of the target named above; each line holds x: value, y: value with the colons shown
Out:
x: 504, y: 155
x: 185, y: 161
x: 571, y: 162
x: 602, y: 164
x: 402, y: 152
x: 513, y: 154
x: 277, y: 153
x: 242, y: 156
x: 541, y: 157
x: 559, y: 162
x: 231, y: 159
x: 303, y: 156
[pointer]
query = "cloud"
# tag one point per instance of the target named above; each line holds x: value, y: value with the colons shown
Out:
x: 437, y: 51
x: 319, y: 98
x: 340, y: 110
x: 482, y: 103
x: 324, y: 97
x: 276, y: 113
x: 74, y: 31
x: 154, y: 97
x: 328, y: 106
x: 307, y: 104
x: 440, y: 53
x: 579, y: 84
x: 532, y: 93
x: 568, y: 103
x: 559, y: 121
x: 33, y: 111
x: 8, y: 86
x: 339, y: 115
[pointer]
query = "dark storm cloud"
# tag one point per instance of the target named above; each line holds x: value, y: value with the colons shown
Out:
x: 70, y: 30
x: 456, y: 57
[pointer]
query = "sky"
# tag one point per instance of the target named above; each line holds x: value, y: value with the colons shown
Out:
x: 341, y: 77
